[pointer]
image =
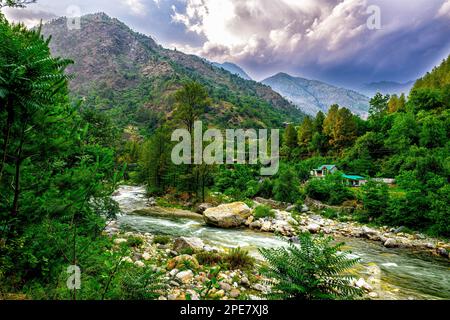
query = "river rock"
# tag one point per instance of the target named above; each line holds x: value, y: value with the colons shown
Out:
x: 146, y: 256
x: 391, y: 243
x: 151, y: 201
x: 225, y: 286
x: 192, y: 243
x: 361, y: 283
x: 291, y: 208
x: 228, y: 215
x: 120, y: 240
x: 313, y: 227
x: 139, y: 263
x: 235, y: 293
x: 173, y: 272
x: 249, y: 220
x: 255, y: 224
x: 442, y: 252
x: 201, y: 208
x: 266, y: 226
x: 185, y: 276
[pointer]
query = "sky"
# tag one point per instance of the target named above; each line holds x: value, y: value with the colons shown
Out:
x: 343, y: 42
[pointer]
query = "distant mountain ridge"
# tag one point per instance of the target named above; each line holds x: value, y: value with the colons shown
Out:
x: 233, y: 68
x: 312, y: 96
x: 118, y: 68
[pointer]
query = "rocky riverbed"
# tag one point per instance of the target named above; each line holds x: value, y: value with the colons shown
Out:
x: 385, y: 273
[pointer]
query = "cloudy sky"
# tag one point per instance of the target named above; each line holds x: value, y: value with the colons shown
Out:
x: 331, y: 40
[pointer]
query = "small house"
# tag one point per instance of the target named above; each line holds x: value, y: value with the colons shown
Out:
x: 323, y: 170
x: 354, y: 180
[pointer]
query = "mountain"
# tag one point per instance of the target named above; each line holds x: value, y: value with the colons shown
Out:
x: 312, y: 96
x: 131, y: 76
x: 386, y: 87
x: 233, y: 68
x: 439, y: 77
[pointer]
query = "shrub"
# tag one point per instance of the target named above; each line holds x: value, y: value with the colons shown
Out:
x: 375, y: 198
x: 330, y: 213
x: 238, y: 258
x: 263, y: 212
x: 208, y: 258
x: 313, y: 269
x: 135, y: 242
x: 160, y: 239
x: 331, y: 189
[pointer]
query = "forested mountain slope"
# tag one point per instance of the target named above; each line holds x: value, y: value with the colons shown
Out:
x: 118, y: 69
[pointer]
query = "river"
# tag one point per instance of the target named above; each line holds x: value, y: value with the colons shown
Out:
x: 401, y: 273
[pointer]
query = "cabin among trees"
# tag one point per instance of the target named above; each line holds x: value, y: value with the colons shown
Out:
x: 351, y: 179
x: 323, y: 170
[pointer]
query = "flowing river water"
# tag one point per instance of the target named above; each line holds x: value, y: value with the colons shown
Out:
x: 401, y: 273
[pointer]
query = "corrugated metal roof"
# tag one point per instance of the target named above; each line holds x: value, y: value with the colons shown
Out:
x: 353, y: 177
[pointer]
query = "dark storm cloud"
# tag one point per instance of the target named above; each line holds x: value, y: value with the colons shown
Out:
x: 322, y: 39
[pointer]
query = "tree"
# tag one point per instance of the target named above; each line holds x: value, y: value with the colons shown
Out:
x: 55, y: 185
x: 192, y: 101
x: 15, y: 3
x: 375, y: 198
x: 340, y: 128
x: 313, y: 269
x: 305, y: 133
x: 378, y: 104
x: 290, y: 137
x: 286, y: 186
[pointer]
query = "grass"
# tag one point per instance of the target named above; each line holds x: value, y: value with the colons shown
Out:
x: 238, y: 258
x: 135, y: 242
x: 263, y: 212
x: 209, y: 258
x: 161, y: 239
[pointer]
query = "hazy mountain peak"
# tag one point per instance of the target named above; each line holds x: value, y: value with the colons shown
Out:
x: 312, y: 96
x: 233, y: 68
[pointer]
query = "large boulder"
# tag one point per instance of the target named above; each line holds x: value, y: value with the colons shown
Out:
x: 185, y: 243
x: 228, y: 215
x: 202, y: 207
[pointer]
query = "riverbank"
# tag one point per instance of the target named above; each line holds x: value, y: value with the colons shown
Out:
x: 393, y: 273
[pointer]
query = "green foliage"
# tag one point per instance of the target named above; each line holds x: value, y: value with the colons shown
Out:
x: 135, y: 242
x: 286, y: 185
x: 160, y: 239
x: 312, y: 270
x: 263, y: 212
x: 331, y: 189
x: 238, y: 258
x: 56, y: 181
x: 374, y: 197
x: 209, y: 258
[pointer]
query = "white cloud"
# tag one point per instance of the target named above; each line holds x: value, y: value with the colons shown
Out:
x: 275, y: 29
x: 444, y: 11
x: 137, y: 7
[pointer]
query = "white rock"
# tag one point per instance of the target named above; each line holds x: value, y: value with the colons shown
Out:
x: 313, y: 227
x: 120, y: 240
x: 139, y: 263
x: 185, y: 276
x: 173, y: 272
x: 361, y: 283
x: 192, y: 243
x: 146, y: 256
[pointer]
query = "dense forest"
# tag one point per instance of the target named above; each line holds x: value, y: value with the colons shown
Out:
x: 405, y: 139
x: 62, y: 158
